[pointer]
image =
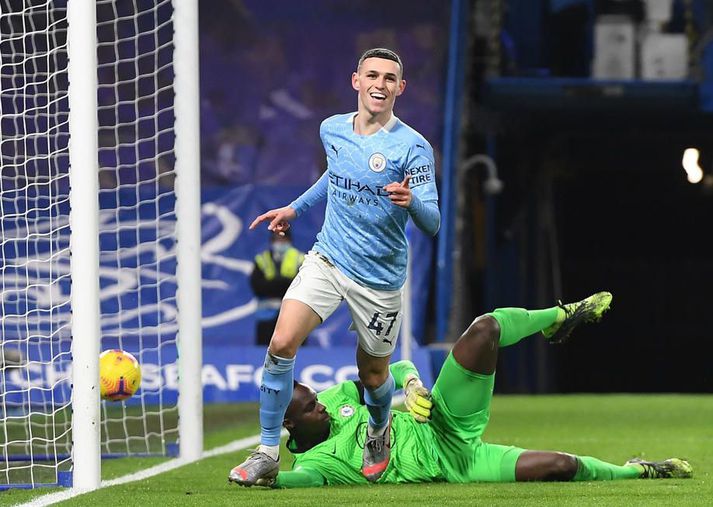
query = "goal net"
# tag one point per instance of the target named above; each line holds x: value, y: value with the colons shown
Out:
x: 137, y: 232
x: 137, y: 221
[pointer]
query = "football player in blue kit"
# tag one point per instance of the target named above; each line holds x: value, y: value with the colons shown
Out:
x: 379, y: 173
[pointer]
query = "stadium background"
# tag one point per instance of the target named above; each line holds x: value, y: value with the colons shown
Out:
x: 594, y: 194
x: 594, y: 198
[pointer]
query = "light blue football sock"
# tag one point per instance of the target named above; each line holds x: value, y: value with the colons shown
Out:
x: 275, y: 394
x: 378, y: 403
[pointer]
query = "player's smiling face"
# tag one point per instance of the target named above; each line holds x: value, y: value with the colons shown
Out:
x: 378, y: 82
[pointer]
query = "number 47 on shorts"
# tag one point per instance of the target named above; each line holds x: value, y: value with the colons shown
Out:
x: 378, y: 326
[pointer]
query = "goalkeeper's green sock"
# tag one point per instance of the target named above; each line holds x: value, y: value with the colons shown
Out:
x: 593, y: 469
x: 518, y: 323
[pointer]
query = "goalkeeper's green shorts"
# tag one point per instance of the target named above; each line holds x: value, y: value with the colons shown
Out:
x: 461, y: 409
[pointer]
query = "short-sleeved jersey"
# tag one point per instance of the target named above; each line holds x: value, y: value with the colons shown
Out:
x: 363, y: 232
x: 339, y: 458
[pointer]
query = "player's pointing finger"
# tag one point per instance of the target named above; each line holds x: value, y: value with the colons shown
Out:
x: 257, y: 221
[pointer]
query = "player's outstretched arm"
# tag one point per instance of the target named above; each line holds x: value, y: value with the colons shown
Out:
x: 279, y: 219
x: 314, y: 194
x: 418, y: 397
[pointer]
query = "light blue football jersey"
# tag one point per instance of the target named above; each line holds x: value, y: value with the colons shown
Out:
x: 363, y: 232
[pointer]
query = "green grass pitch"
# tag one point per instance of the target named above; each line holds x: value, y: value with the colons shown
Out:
x: 610, y: 427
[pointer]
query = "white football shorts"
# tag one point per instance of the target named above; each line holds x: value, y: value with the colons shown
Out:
x: 376, y: 314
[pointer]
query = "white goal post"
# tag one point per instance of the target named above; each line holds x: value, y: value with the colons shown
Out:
x: 84, y: 242
x: 100, y: 234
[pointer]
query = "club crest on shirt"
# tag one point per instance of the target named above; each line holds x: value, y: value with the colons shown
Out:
x: 346, y: 411
x: 377, y: 162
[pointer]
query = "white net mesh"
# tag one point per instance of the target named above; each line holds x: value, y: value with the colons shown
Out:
x: 34, y: 277
x: 137, y: 215
x: 137, y: 231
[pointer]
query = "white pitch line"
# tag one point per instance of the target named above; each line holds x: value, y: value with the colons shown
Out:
x: 60, y: 496
x: 235, y: 445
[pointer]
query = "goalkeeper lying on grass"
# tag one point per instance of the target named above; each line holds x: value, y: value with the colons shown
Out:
x: 439, y: 438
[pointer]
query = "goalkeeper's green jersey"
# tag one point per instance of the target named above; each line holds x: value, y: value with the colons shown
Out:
x: 338, y: 459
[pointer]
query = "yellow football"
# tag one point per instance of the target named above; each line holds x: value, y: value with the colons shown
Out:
x: 119, y: 375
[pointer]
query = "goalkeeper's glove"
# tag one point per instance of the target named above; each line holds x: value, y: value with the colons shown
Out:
x: 418, y: 399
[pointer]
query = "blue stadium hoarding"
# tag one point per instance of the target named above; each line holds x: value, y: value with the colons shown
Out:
x: 229, y: 374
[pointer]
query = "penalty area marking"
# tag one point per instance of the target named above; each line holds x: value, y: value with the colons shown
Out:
x: 235, y: 445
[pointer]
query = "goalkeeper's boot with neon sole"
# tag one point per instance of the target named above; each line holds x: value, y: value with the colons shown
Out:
x: 377, y: 453
x: 672, y: 468
x: 258, y: 467
x: 571, y: 315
